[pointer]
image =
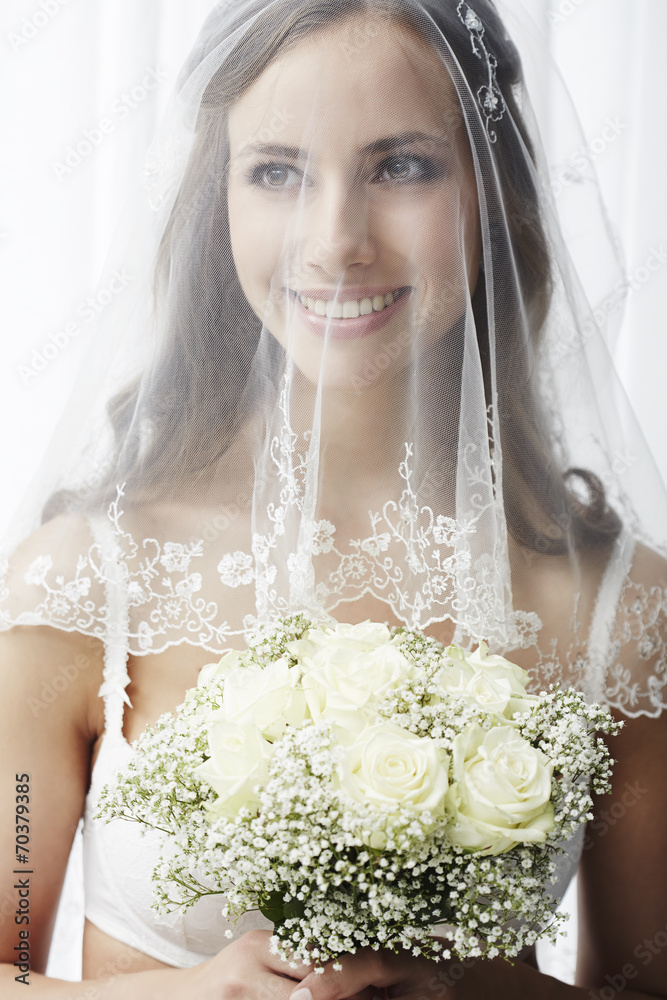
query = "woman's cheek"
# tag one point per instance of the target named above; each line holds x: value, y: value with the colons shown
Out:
x: 437, y: 252
x: 255, y: 258
x: 446, y: 279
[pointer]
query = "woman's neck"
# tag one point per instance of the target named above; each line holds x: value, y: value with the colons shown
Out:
x: 362, y: 434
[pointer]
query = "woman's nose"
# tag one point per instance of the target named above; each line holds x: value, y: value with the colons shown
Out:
x: 338, y: 235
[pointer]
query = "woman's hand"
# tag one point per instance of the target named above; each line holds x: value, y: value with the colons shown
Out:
x: 368, y: 974
x: 245, y: 969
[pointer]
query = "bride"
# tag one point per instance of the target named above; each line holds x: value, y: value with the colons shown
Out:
x: 355, y: 373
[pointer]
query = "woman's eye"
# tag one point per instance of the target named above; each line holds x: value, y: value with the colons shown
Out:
x: 275, y: 175
x: 408, y: 168
x: 395, y: 169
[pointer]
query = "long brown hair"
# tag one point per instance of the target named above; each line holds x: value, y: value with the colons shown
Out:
x: 167, y: 437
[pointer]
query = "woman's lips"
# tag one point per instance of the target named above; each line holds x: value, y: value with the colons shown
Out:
x: 339, y: 328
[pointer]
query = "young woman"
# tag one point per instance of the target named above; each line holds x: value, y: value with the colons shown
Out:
x: 355, y: 373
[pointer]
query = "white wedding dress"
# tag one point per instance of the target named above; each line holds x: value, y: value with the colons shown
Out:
x: 116, y: 859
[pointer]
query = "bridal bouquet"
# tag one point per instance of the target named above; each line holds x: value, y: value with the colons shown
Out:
x: 360, y: 784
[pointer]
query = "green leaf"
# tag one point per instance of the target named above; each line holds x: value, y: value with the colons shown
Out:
x: 272, y: 906
x: 274, y: 914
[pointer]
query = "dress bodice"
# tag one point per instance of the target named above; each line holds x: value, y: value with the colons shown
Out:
x: 119, y: 857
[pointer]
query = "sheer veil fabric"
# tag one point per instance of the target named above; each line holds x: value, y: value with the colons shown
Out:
x: 357, y: 371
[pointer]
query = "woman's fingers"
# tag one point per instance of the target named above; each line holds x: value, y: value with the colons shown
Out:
x: 363, y: 974
x: 246, y: 967
x: 368, y: 975
x: 269, y: 987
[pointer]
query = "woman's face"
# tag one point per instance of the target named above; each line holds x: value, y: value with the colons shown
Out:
x: 352, y: 201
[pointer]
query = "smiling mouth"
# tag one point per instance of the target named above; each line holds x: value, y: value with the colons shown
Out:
x: 352, y: 308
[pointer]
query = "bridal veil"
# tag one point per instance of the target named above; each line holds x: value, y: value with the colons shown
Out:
x: 356, y: 371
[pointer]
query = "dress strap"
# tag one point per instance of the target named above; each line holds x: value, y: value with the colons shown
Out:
x: 604, y: 614
x: 116, y: 677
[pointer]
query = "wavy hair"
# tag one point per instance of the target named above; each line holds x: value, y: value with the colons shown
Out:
x: 165, y: 433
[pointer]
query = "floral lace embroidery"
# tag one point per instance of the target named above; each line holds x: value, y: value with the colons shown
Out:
x: 440, y: 578
x: 164, y: 584
x: 422, y: 565
x: 641, y: 626
x: 236, y: 569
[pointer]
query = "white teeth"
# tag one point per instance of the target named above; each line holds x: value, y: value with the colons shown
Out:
x: 351, y: 309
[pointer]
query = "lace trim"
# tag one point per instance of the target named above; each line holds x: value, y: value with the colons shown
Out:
x: 423, y: 565
x: 641, y: 627
x: 599, y: 642
x: 116, y: 676
x: 623, y: 663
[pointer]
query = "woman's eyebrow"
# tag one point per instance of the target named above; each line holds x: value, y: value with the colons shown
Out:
x: 391, y: 142
x: 384, y: 145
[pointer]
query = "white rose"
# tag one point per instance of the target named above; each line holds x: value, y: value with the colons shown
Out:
x: 214, y: 671
x: 500, y: 791
x: 491, y: 695
x: 497, y: 666
x: 392, y: 767
x: 346, y: 676
x: 492, y: 682
x: 271, y: 697
x: 237, y: 765
x: 360, y: 638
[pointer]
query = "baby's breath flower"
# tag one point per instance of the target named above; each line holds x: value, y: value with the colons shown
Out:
x: 337, y: 873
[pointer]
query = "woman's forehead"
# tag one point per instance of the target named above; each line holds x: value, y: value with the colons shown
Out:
x: 346, y: 83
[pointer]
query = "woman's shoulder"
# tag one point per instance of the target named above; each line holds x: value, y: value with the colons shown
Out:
x: 51, y: 574
x: 638, y: 575
x: 51, y: 633
x: 623, y: 565
x: 636, y: 674
x: 648, y: 567
x: 66, y: 534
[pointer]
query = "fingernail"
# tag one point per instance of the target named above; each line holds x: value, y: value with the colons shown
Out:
x: 302, y: 994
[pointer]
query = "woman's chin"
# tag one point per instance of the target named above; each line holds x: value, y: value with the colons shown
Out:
x: 348, y: 370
